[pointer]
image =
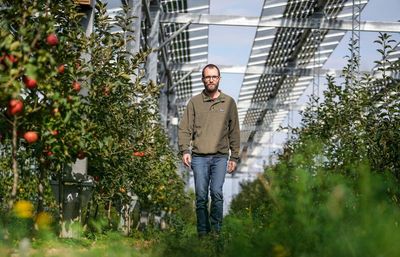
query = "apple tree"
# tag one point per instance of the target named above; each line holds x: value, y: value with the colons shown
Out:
x: 40, y: 105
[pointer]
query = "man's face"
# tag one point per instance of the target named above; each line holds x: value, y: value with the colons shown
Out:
x: 211, y: 80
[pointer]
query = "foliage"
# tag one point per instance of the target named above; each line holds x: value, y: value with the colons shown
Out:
x: 334, y: 191
x: 52, y: 108
x: 132, y: 152
x: 356, y: 121
x: 325, y: 214
x: 85, y: 97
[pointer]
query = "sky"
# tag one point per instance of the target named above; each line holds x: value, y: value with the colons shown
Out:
x: 230, y: 45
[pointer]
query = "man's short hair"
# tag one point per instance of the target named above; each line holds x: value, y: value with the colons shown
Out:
x: 210, y: 66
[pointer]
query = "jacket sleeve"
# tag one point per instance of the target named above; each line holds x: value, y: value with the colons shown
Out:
x: 185, y: 129
x: 234, y: 133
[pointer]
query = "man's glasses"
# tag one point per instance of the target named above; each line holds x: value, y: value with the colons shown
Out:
x: 208, y: 78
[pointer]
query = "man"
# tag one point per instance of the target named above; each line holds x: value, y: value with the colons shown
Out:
x: 209, y: 141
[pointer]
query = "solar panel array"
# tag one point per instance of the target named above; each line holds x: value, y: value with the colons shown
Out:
x: 283, y: 52
x: 189, y: 47
x: 265, y: 100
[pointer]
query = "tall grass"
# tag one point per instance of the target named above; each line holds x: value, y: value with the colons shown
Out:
x: 319, y: 214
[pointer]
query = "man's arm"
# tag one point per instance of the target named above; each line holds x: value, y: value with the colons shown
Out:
x: 234, y: 138
x: 185, y: 132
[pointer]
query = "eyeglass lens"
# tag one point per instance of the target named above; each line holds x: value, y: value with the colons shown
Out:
x: 211, y: 77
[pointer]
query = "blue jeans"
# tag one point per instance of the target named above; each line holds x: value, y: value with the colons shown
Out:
x: 209, y: 172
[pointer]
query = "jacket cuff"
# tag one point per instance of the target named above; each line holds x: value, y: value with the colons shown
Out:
x: 185, y: 151
x: 234, y: 159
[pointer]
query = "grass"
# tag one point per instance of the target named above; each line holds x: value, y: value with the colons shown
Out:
x: 109, y: 244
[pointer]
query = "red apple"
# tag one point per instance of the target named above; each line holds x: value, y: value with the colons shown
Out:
x: 81, y: 155
x: 138, y: 154
x: 54, y: 132
x: 61, y: 68
x: 76, y: 86
x: 31, y: 136
x: 106, y: 91
x: 15, y: 106
x: 70, y: 99
x: 52, y: 39
x: 55, y: 112
x: 30, y: 82
x: 47, y: 151
x: 12, y: 58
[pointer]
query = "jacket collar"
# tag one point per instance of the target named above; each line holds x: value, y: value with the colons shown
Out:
x: 207, y: 98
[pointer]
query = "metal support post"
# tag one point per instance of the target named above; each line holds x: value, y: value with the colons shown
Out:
x: 355, y: 41
x: 151, y: 64
x: 135, y: 7
x: 317, y: 38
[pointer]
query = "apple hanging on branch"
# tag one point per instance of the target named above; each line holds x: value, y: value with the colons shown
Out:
x: 52, y: 39
x: 30, y: 82
x: 81, y: 155
x: 15, y: 106
x: 138, y: 154
x: 61, y: 69
x: 11, y: 59
x: 31, y: 136
x: 76, y: 86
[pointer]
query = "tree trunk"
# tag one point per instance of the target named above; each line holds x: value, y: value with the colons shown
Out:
x: 109, y: 212
x: 14, y: 164
x: 41, y: 185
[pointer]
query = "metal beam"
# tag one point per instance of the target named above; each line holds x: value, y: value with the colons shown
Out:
x: 176, y: 33
x: 151, y: 63
x: 135, y: 11
x: 268, y: 105
x: 266, y: 145
x: 180, y: 80
x: 260, y: 70
x: 311, y: 23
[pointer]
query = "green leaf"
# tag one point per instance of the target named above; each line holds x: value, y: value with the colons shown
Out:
x: 31, y: 70
x: 67, y: 117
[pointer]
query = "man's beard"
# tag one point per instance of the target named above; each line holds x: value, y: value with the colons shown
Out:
x: 210, y: 91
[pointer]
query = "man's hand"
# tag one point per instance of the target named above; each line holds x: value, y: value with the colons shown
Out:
x: 186, y: 159
x: 231, y: 166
